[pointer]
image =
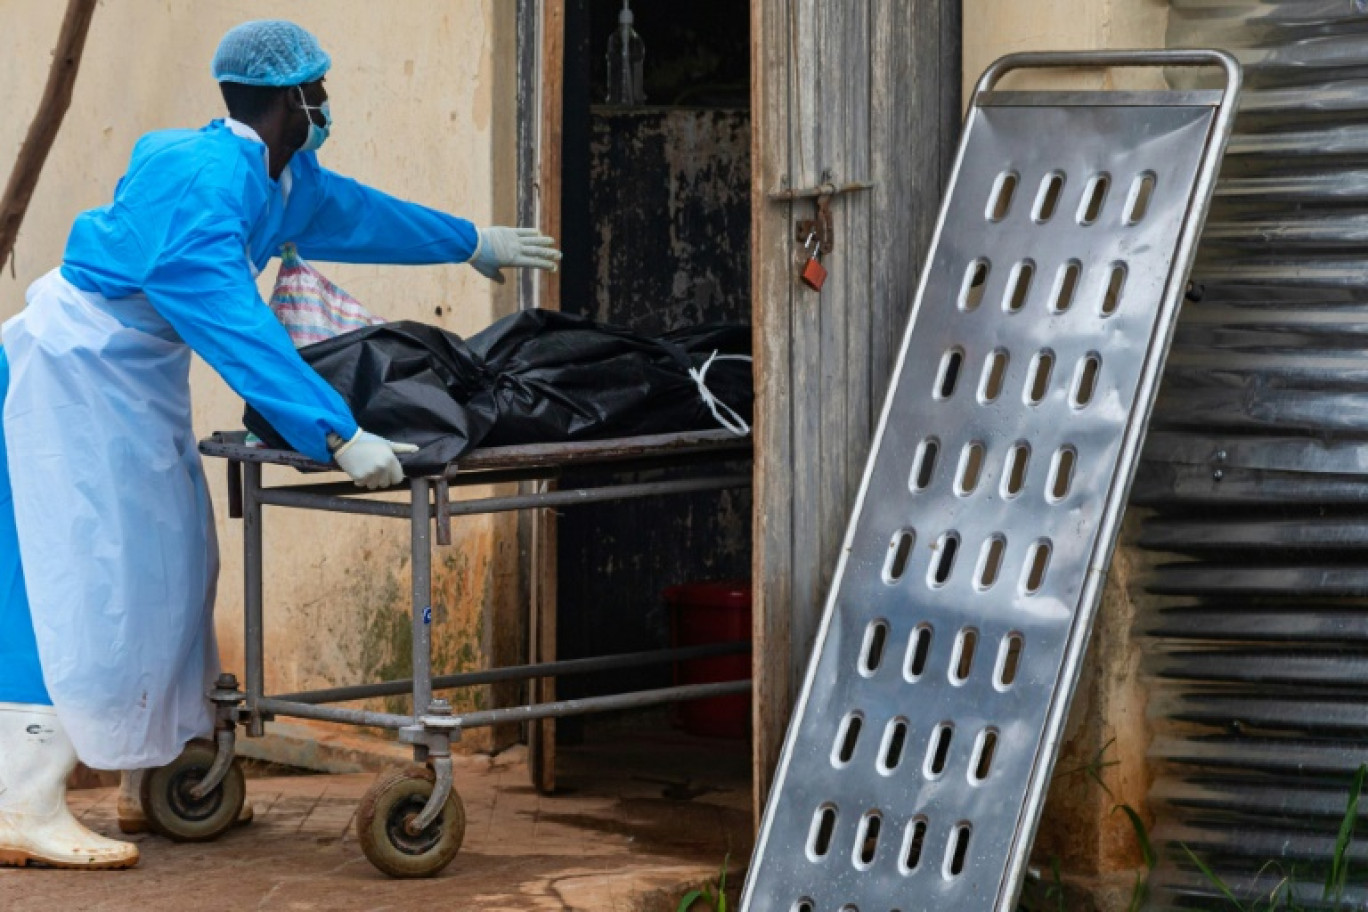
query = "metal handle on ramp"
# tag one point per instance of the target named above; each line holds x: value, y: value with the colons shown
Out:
x: 1131, y: 59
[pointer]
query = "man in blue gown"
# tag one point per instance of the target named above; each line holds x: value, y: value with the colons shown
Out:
x: 108, y: 562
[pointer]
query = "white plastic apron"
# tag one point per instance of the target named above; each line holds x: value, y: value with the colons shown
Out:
x: 115, y: 525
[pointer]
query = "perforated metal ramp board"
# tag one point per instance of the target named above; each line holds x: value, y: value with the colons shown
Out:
x: 917, y: 760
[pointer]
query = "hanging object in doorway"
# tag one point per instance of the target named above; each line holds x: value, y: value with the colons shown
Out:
x: 626, y: 56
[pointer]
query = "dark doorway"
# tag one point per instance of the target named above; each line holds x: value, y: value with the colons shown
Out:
x: 656, y: 234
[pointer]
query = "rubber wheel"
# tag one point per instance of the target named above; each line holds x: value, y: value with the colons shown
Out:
x: 397, y: 797
x: 171, y: 810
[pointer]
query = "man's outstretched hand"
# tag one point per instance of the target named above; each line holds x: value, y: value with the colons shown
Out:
x: 513, y: 248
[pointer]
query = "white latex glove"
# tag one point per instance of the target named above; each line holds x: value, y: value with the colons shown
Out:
x: 370, y: 460
x: 515, y: 248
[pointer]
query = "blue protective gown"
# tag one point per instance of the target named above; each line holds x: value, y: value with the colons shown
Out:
x: 21, y: 678
x: 195, y: 217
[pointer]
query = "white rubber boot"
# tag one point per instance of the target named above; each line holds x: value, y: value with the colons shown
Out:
x: 130, y: 810
x: 35, y: 826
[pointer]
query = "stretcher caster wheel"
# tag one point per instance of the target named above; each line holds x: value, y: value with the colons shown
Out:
x: 397, y: 797
x: 176, y: 814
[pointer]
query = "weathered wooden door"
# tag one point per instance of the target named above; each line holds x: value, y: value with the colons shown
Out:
x: 842, y: 92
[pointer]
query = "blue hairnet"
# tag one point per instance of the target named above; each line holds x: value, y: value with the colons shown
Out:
x: 269, y: 52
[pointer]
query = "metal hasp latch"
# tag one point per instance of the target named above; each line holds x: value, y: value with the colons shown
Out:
x: 926, y: 732
x: 818, y: 229
x: 817, y: 234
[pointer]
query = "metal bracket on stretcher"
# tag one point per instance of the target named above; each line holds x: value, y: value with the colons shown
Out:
x: 918, y: 758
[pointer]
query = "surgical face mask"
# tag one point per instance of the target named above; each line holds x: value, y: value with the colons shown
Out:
x: 317, y: 135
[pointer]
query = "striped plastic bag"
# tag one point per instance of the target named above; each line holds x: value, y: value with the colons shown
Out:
x: 311, y: 307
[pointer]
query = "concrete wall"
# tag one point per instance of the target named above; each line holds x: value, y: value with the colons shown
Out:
x: 1107, y: 735
x: 423, y: 101
x: 996, y: 27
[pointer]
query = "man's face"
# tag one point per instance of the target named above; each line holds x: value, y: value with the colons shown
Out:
x: 314, y: 96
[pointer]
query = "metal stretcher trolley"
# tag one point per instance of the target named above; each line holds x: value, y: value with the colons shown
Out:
x: 411, y: 822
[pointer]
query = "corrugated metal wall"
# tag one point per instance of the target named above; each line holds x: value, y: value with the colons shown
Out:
x: 1257, y: 472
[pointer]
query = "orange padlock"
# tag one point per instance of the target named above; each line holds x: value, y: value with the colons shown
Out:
x: 814, y: 274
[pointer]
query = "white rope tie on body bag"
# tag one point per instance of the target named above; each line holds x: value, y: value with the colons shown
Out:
x: 725, y: 414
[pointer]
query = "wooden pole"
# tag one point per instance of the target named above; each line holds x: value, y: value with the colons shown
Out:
x: 23, y: 180
x: 542, y: 735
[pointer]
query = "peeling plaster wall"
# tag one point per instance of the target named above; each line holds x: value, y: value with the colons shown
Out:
x: 680, y: 254
x: 423, y: 96
x: 1108, y: 734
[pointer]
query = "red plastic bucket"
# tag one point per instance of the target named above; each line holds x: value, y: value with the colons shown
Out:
x: 713, y: 612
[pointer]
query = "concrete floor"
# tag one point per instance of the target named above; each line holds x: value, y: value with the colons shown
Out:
x: 634, y: 826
